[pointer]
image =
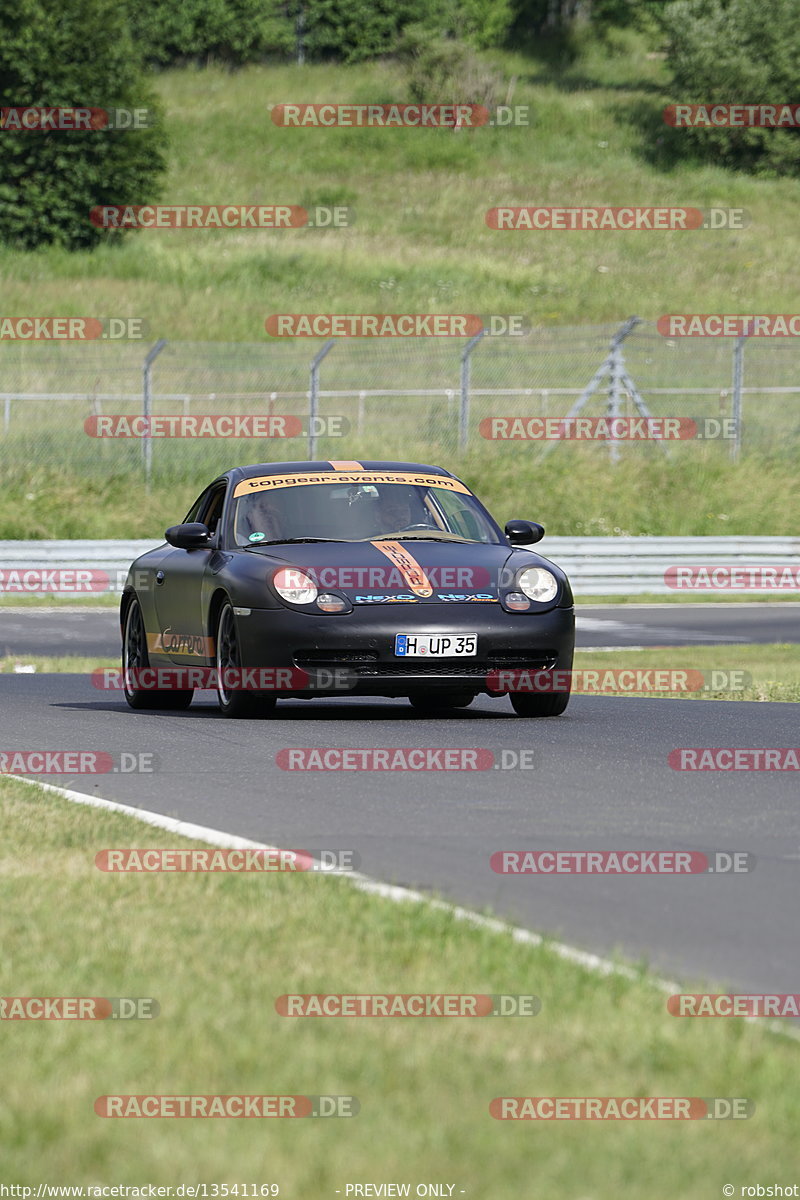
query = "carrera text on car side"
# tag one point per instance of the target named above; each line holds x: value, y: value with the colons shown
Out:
x: 304, y: 579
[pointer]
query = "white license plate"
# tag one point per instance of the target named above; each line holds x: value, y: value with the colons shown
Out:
x: 435, y: 645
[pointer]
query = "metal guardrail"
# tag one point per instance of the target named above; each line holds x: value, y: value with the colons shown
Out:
x: 597, y: 566
x: 628, y: 566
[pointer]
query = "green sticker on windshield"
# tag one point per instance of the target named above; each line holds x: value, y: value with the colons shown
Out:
x: 256, y: 537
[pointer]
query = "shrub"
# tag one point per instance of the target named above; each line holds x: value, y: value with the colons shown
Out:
x: 445, y: 71
x: 737, y: 52
x: 78, y: 54
x: 230, y: 31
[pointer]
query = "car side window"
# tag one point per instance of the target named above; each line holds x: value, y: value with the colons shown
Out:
x: 193, y: 513
x: 459, y: 518
x: 212, y: 511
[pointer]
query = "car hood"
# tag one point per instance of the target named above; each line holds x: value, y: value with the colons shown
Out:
x: 381, y: 571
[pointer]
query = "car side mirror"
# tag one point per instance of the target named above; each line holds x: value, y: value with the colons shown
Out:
x: 194, y: 536
x: 524, y: 533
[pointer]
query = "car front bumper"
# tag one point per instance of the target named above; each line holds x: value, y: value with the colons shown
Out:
x: 354, y: 652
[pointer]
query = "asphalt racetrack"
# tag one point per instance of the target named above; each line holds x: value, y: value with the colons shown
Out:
x: 600, y: 779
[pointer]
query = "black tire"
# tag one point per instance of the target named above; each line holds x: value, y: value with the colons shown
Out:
x: 136, y: 658
x: 433, y: 702
x: 235, y: 703
x: 544, y: 704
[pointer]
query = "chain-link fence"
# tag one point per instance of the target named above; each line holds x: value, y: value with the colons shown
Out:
x: 414, y: 399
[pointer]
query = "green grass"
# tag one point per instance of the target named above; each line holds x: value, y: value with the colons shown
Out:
x: 43, y: 600
x: 773, y: 669
x: 216, y: 951
x: 66, y: 664
x: 572, y: 493
x: 655, y: 598
x: 420, y: 242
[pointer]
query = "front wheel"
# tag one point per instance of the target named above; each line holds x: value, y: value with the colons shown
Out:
x: 235, y: 702
x: 135, y: 660
x: 544, y: 704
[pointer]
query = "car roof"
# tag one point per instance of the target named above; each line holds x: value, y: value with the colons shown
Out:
x: 335, y: 467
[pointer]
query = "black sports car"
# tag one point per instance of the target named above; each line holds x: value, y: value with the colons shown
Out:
x: 367, y: 578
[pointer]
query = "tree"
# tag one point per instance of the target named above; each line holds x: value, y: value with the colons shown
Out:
x: 231, y: 31
x: 79, y: 54
x: 737, y: 52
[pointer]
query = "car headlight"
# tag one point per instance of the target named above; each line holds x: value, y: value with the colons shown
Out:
x: 538, y: 584
x: 294, y: 586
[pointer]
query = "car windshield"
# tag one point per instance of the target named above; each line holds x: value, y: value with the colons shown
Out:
x: 358, y: 512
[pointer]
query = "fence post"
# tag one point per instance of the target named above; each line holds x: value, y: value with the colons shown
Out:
x: 147, y: 407
x: 617, y: 379
x: 6, y: 414
x: 736, y: 412
x: 313, y: 397
x: 466, y: 362
x: 299, y: 30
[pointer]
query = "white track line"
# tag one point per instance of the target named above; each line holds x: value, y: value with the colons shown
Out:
x: 608, y: 649
x: 525, y: 937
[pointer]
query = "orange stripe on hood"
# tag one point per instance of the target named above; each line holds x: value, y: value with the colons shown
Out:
x: 407, y: 565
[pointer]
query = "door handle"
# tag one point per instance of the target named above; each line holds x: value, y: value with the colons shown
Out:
x: 160, y: 577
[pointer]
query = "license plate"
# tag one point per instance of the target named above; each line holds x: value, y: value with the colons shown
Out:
x: 435, y: 645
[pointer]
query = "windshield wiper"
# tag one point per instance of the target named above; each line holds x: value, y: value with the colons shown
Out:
x: 289, y: 542
x: 419, y: 537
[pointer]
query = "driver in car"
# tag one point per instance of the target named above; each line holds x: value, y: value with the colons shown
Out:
x: 395, y: 511
x: 261, y: 516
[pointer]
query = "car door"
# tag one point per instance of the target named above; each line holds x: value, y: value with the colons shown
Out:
x: 182, y: 635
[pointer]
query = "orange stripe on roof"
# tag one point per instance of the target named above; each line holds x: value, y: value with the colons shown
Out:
x: 345, y: 464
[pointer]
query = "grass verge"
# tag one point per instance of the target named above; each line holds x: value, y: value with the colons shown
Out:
x: 216, y: 950
x: 573, y: 494
x: 768, y: 672
x: 420, y: 197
